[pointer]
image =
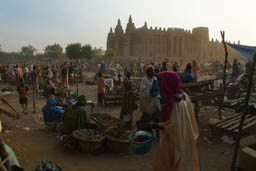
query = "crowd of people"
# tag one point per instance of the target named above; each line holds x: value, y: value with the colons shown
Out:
x: 164, y: 103
x: 54, y: 72
x: 161, y: 99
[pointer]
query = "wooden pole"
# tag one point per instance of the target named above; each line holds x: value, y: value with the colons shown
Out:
x: 18, y: 114
x: 77, y: 81
x: 234, y: 160
x: 34, y: 89
x: 222, y: 33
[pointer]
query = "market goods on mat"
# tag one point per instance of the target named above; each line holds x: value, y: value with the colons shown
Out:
x: 105, y: 120
x: 88, y: 135
x: 118, y: 133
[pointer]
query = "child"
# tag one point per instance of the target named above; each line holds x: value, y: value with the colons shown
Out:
x: 101, y: 89
x: 23, y: 90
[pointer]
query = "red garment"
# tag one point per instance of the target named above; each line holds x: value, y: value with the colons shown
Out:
x: 170, y: 85
x: 195, y: 69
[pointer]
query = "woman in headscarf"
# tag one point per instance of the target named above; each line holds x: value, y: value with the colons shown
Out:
x: 177, y: 147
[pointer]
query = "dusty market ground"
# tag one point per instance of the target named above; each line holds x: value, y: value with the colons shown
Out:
x: 32, y: 143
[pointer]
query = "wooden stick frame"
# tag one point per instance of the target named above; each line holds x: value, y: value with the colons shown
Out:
x: 77, y: 84
x: 222, y: 33
x: 34, y: 91
x: 237, y: 145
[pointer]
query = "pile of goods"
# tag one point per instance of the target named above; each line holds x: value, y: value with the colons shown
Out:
x: 6, y: 92
x: 6, y: 89
x: 61, y: 102
x: 115, y: 132
x: 118, y: 133
x: 49, y: 89
x: 89, y: 139
x: 105, y: 120
x: 142, y: 136
x: 88, y: 134
x: 63, y: 92
x: 90, y: 82
x: 118, y: 139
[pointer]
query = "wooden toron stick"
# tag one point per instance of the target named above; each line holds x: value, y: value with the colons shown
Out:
x: 77, y: 82
x: 224, y: 72
x: 34, y: 89
x: 3, y: 100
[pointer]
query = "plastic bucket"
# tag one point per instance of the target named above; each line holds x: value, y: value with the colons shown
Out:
x: 141, y: 147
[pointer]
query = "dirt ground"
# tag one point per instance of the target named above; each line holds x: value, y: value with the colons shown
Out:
x: 32, y: 143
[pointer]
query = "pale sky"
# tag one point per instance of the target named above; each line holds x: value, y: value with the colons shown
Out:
x: 44, y: 22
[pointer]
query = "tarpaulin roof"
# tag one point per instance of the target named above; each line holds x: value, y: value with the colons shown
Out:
x: 247, y: 51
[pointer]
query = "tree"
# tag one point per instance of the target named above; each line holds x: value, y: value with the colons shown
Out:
x: 53, y: 51
x: 28, y: 50
x: 98, y: 52
x: 109, y: 53
x: 73, y: 51
x: 86, y: 51
x: 1, y: 52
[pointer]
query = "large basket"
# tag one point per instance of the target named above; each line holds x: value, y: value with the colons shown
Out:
x: 88, y: 146
x: 118, y: 146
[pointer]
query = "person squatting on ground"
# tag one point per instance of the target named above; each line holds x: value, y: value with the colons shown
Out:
x: 52, y: 113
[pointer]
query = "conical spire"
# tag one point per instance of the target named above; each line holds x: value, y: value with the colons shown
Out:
x: 145, y: 25
x: 111, y: 30
x: 130, y: 27
x: 119, y: 22
x: 119, y: 28
x: 130, y: 19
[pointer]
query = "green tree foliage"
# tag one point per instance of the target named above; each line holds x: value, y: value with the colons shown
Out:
x: 77, y: 51
x: 73, y: 51
x: 98, y: 52
x: 1, y: 52
x: 86, y: 51
x: 28, y: 50
x: 53, y: 51
x: 109, y: 54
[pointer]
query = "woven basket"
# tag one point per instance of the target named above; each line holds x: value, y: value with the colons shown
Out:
x: 88, y: 146
x: 118, y: 146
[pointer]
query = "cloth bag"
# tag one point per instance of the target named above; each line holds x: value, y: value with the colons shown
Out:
x: 147, y: 104
x: 177, y: 147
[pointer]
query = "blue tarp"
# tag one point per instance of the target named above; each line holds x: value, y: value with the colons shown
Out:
x: 247, y: 51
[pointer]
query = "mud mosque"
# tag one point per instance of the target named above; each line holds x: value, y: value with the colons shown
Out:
x: 148, y: 42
